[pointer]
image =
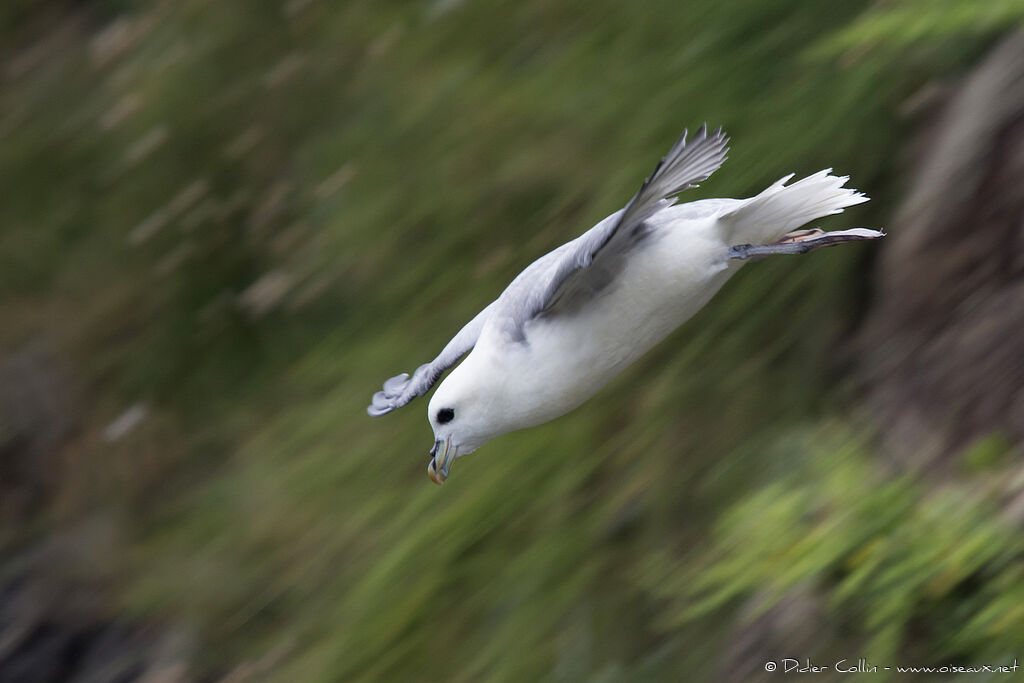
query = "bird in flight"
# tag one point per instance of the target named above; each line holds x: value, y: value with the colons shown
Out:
x: 579, y: 315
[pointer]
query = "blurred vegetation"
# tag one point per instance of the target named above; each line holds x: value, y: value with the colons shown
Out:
x: 929, y: 574
x: 245, y: 215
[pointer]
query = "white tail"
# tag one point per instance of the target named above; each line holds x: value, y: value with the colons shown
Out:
x: 783, y: 208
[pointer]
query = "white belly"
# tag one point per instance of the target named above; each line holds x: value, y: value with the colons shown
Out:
x: 572, y: 356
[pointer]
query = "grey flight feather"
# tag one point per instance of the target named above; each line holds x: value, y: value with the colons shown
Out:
x: 575, y: 269
x: 401, y: 389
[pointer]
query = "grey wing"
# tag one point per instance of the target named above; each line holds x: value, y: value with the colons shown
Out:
x: 587, y: 263
x: 401, y: 389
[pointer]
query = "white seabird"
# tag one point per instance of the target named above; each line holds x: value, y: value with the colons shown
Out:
x: 577, y: 316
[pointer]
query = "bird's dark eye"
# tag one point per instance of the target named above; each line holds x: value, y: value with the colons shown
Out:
x: 445, y: 415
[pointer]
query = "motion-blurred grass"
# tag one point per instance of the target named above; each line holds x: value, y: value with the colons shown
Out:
x: 246, y: 215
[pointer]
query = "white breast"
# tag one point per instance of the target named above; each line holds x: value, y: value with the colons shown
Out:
x: 568, y: 358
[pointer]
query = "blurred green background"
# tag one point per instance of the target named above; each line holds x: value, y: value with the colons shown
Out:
x: 224, y: 223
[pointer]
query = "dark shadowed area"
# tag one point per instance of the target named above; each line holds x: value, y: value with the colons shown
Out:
x: 224, y: 223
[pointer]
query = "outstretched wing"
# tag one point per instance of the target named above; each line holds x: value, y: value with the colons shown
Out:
x: 589, y: 262
x: 401, y: 389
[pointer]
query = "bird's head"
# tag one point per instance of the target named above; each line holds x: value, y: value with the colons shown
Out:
x: 460, y: 422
